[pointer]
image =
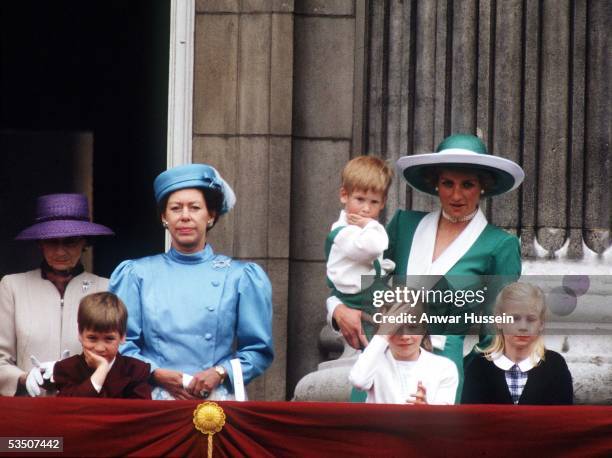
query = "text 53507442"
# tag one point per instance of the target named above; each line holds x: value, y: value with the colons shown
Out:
x: 31, y: 444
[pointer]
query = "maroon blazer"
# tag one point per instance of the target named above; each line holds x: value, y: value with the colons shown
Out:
x: 128, y: 378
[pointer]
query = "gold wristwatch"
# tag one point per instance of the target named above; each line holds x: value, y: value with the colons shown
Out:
x: 221, y: 371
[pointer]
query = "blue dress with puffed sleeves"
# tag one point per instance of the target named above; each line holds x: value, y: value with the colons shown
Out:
x: 190, y: 312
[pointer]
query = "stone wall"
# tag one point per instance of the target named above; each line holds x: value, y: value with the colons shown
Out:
x: 242, y: 125
x: 323, y: 107
x: 531, y: 78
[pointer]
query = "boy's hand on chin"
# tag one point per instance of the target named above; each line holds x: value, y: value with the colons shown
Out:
x: 94, y: 361
x: 361, y: 221
x: 101, y: 366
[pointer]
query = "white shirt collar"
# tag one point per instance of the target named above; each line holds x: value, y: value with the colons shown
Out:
x: 505, y: 363
x: 342, y: 221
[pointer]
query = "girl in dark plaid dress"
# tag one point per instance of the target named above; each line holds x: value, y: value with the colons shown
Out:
x: 516, y: 368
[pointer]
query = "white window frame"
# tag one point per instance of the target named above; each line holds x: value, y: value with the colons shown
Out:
x: 180, y: 82
x: 180, y: 86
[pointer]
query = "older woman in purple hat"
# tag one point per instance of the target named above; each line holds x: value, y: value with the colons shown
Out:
x: 38, y: 309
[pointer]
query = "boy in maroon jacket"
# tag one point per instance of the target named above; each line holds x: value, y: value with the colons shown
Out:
x: 100, y: 371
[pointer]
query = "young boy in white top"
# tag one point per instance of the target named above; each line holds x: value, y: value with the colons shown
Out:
x: 354, y: 248
x: 397, y: 366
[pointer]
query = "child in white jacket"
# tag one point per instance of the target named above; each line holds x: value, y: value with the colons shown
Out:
x: 397, y: 367
x: 354, y: 248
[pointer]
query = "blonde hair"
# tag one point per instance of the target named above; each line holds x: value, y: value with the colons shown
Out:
x: 102, y: 312
x: 524, y: 293
x: 367, y: 173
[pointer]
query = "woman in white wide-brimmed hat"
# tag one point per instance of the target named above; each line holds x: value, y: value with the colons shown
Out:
x: 455, y: 240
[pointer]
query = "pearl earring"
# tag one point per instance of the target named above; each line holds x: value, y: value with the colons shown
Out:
x: 210, y: 223
x: 165, y: 224
x: 481, y: 191
x: 436, y: 188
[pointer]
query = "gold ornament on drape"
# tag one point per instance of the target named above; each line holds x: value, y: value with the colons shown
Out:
x: 209, y: 419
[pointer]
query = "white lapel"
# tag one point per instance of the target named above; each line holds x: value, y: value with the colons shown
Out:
x: 421, y: 254
x: 457, y: 249
x: 423, y: 243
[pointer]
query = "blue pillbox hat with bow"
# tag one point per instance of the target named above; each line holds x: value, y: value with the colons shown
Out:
x: 199, y: 176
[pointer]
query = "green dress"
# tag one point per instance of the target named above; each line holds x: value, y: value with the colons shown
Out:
x: 493, y: 253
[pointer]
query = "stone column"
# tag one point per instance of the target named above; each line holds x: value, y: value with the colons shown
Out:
x: 242, y: 126
x: 322, y: 142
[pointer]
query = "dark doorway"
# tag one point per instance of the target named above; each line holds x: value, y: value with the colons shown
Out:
x: 98, y: 70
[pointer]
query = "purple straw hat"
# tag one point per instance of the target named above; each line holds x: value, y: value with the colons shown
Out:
x: 62, y: 215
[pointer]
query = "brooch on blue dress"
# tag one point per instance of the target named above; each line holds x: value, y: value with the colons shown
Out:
x: 221, y: 263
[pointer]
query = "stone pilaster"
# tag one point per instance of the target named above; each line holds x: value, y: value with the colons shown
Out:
x: 242, y: 125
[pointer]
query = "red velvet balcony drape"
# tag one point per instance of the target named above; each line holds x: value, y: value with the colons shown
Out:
x: 93, y: 427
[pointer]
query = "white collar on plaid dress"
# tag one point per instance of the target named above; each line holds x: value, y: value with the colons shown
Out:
x: 505, y: 363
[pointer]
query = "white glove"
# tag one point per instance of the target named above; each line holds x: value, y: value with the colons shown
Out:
x: 47, y: 367
x: 34, y: 381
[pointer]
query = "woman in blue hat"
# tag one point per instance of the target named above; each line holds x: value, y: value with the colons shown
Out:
x: 38, y: 308
x: 201, y: 320
x: 454, y: 244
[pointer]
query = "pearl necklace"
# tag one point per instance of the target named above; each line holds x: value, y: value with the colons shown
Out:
x: 461, y: 219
